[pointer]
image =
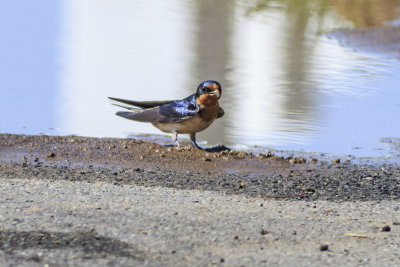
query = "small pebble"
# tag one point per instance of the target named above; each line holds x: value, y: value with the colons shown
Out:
x: 241, y: 185
x: 396, y: 223
x: 264, y: 232
x: 323, y: 247
x: 336, y: 161
x: 302, y: 160
x: 51, y: 155
x: 386, y: 228
x: 299, y: 160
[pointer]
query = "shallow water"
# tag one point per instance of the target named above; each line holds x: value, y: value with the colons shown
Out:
x: 288, y: 84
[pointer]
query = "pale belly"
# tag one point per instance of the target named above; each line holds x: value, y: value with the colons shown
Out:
x: 192, y: 125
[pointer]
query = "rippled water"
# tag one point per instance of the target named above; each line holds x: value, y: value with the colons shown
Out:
x: 288, y: 84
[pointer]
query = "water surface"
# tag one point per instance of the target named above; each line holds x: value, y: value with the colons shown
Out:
x: 288, y: 83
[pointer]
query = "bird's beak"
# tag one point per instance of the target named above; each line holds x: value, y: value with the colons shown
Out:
x: 215, y: 92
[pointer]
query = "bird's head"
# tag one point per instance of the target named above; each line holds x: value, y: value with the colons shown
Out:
x: 209, y: 90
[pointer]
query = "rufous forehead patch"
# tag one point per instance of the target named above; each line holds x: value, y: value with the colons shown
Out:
x: 213, y: 86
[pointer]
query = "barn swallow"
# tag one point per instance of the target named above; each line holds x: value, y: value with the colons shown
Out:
x: 187, y: 116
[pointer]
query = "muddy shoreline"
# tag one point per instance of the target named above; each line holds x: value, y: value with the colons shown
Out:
x: 129, y: 161
x: 98, y: 201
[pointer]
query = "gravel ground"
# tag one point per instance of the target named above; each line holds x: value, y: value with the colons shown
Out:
x: 81, y: 223
x: 86, y: 201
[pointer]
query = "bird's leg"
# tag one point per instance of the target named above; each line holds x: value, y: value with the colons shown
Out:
x: 193, y: 139
x: 175, y: 138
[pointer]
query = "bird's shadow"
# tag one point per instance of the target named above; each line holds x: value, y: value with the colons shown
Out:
x: 213, y: 149
x: 216, y: 149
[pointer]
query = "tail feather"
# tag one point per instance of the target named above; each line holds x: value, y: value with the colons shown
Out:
x: 125, y: 107
x: 139, y: 104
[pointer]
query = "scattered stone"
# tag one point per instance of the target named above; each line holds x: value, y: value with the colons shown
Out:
x: 313, y: 160
x: 51, y: 155
x: 299, y: 160
x: 264, y: 232
x: 323, y: 247
x: 336, y: 161
x: 241, y: 185
x: 386, y: 228
x: 396, y: 223
x: 241, y: 155
x: 269, y: 154
x: 233, y: 152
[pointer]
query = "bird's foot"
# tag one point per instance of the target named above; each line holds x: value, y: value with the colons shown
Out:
x: 195, y: 145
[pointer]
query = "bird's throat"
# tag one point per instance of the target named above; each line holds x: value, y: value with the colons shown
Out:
x: 206, y: 101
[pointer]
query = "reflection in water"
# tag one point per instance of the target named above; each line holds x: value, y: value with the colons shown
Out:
x: 28, y: 66
x: 285, y: 85
x: 212, y: 36
x: 367, y: 13
x: 121, y: 49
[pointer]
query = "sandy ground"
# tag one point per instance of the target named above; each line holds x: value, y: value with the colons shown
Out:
x: 86, y: 201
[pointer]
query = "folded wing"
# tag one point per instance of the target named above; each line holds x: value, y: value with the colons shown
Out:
x: 159, y: 111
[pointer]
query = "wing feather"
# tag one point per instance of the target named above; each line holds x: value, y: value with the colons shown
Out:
x: 170, y: 111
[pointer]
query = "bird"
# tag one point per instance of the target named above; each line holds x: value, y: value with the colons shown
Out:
x: 190, y: 115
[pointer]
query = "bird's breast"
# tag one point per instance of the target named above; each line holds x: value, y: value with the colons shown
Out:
x: 194, y: 124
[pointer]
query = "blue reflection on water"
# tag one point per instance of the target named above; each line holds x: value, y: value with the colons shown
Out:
x: 28, y: 67
x: 284, y: 87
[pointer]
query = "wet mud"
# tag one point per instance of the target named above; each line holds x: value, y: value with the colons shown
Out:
x: 129, y: 161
